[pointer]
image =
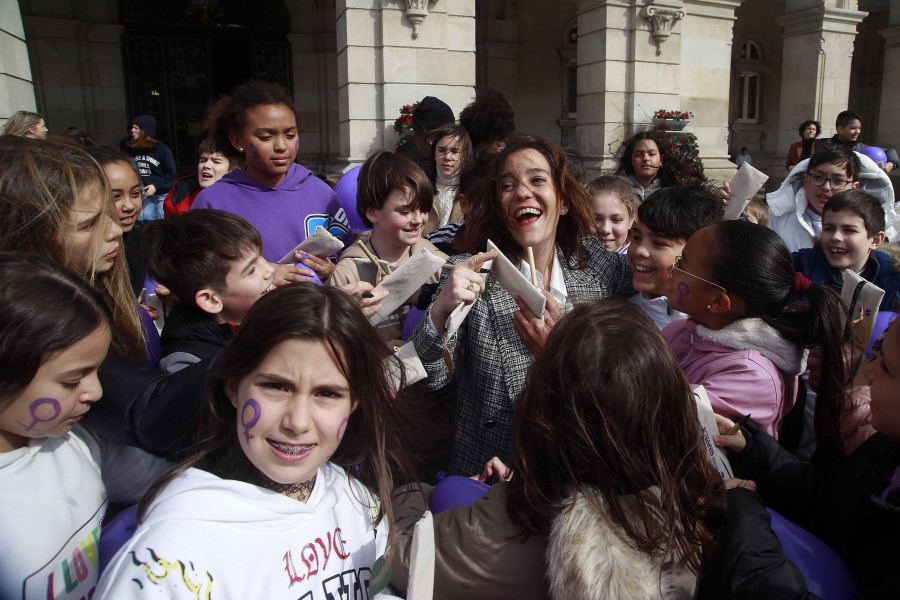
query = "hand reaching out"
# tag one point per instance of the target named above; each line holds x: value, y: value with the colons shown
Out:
x: 322, y: 266
x: 285, y: 274
x: 369, y: 305
x: 464, y: 285
x: 495, y: 466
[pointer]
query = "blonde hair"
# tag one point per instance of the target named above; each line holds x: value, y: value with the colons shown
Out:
x: 40, y: 182
x: 21, y: 123
x: 759, y: 210
x: 619, y: 187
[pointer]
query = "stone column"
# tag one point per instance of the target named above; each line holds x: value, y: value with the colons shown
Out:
x: 635, y: 58
x: 386, y: 60
x: 815, y: 72
x: 16, y: 88
x: 705, y: 79
x: 889, y: 115
x: 606, y: 80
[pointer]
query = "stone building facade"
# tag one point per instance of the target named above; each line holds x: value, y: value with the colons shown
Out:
x: 583, y: 73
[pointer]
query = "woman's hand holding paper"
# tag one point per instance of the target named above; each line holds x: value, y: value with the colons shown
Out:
x: 463, y: 286
x: 532, y: 329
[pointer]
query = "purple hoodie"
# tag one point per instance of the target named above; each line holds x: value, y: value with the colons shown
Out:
x: 284, y: 215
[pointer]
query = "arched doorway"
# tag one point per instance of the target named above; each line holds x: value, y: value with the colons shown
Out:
x: 179, y: 55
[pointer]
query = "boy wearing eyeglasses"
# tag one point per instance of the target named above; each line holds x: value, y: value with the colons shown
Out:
x: 795, y: 210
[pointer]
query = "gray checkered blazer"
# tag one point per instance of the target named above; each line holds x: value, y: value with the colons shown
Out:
x: 492, y: 360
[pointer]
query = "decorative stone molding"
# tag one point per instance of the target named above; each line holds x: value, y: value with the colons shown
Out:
x: 416, y: 11
x: 662, y: 20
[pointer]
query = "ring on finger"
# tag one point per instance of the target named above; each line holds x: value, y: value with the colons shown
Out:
x: 470, y: 286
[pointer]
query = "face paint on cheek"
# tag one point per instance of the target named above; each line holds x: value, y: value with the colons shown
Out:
x: 46, y: 416
x: 253, y: 150
x: 340, y: 432
x: 296, y: 146
x: 248, y: 423
x: 683, y: 290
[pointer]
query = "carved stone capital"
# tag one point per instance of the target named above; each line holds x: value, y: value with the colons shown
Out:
x: 662, y: 21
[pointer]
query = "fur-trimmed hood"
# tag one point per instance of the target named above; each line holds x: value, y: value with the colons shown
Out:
x: 756, y: 334
x: 586, y: 559
x: 791, y: 198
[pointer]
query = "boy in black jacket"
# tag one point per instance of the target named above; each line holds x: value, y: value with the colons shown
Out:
x: 211, y: 260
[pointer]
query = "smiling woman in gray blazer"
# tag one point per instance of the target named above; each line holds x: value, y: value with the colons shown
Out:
x: 528, y: 199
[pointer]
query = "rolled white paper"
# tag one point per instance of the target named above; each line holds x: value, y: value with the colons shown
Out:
x: 747, y: 181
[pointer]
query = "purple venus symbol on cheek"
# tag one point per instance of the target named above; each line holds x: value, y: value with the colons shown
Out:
x: 340, y: 430
x: 47, y: 416
x: 683, y: 289
x: 248, y: 424
x: 296, y: 146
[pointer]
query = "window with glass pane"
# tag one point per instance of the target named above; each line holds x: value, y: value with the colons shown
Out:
x: 748, y: 97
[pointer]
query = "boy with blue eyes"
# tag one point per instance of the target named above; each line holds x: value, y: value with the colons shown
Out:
x: 795, y: 210
x: 212, y: 261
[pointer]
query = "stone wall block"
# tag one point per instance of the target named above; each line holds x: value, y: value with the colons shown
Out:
x: 460, y: 33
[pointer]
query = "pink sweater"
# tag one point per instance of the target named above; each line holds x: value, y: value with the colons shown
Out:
x: 745, y: 367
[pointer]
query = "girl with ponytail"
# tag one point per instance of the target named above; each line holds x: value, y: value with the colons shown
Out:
x: 744, y: 341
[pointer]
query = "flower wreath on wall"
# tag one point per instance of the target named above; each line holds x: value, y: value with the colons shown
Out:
x: 403, y: 123
x: 680, y: 145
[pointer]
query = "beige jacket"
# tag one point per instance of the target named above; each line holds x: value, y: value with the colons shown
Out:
x: 345, y: 272
x: 480, y: 553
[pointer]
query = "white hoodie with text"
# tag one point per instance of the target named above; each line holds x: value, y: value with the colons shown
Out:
x: 207, y: 537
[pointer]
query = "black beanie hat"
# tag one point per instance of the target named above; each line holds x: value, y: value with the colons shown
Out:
x: 147, y: 123
x: 431, y: 113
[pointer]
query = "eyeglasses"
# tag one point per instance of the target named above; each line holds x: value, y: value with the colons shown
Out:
x: 837, y: 183
x: 676, y: 266
x: 451, y: 152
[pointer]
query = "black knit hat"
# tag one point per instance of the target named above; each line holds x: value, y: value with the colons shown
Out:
x: 147, y: 123
x: 431, y: 113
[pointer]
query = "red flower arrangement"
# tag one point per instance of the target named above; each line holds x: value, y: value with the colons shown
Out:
x: 684, y: 147
x: 674, y: 115
x: 403, y: 124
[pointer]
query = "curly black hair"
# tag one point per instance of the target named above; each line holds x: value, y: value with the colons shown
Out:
x: 228, y: 114
x: 489, y: 118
